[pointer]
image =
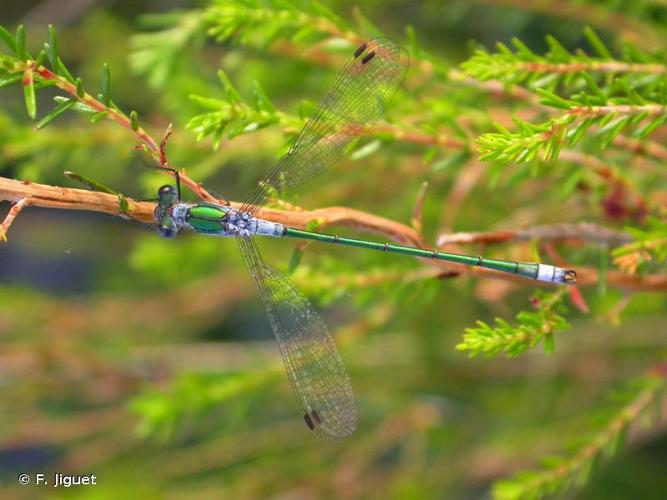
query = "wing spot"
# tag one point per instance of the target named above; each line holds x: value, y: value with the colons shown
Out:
x: 368, y: 57
x: 309, y: 422
x: 360, y: 50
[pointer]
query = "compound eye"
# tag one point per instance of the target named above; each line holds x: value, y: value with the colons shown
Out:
x: 166, y: 190
x: 167, y: 231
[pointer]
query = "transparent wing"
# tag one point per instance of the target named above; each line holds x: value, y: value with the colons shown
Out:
x: 356, y: 100
x: 312, y: 361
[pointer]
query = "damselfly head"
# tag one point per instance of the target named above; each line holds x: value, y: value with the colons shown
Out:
x: 167, y: 198
x: 167, y: 195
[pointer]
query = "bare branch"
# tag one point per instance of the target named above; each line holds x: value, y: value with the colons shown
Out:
x: 554, y: 232
x: 11, y: 215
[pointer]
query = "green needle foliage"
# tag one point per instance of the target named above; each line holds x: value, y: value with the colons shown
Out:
x: 166, y: 414
x: 262, y: 22
x: 231, y: 116
x: 34, y: 76
x: 539, y: 150
x: 532, y: 328
x: 596, y: 97
x: 641, y: 400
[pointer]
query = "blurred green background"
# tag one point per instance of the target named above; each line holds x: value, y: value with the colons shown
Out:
x: 151, y: 363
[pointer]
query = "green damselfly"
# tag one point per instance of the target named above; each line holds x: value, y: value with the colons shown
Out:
x: 355, y: 101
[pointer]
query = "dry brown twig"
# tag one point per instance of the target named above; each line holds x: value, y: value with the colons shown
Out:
x: 553, y: 232
x: 11, y: 215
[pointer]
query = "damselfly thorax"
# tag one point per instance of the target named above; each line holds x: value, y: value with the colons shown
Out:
x: 208, y: 218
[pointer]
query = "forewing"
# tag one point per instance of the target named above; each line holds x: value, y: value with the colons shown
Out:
x: 356, y: 100
x: 312, y: 361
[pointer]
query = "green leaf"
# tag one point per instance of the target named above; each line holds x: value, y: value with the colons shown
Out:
x: 52, y: 48
x: 41, y: 57
x: 650, y: 127
x: 209, y: 102
x: 551, y: 99
x: 8, y: 39
x: 42, y: 84
x: 9, y: 79
x: 262, y: 101
x: 597, y: 43
x: 594, y: 87
x: 306, y: 35
x: 295, y: 259
x: 575, y: 135
x: 500, y: 128
x: 63, y: 71
x: 79, y: 88
x: 29, y: 93
x: 55, y: 113
x: 123, y: 204
x: 98, y: 116
x: 612, y: 129
x: 90, y: 183
x: 20, y: 43
x: 570, y: 183
x: 106, y: 85
x: 78, y: 106
x: 134, y: 120
x: 413, y: 42
x: 557, y: 49
x: 232, y: 94
x: 523, y: 49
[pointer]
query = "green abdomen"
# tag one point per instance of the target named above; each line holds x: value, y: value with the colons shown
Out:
x: 206, y: 218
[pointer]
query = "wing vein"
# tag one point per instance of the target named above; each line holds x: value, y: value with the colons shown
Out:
x: 313, y: 363
x: 355, y: 101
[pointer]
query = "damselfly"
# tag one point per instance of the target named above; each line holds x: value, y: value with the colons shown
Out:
x: 355, y: 101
